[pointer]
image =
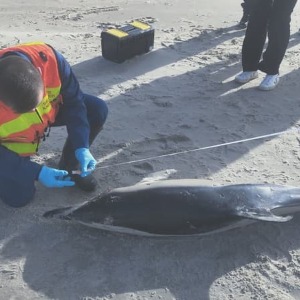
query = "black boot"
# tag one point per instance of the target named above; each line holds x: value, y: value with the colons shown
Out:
x: 245, y: 17
x: 87, y: 183
x: 243, y: 22
x: 69, y: 163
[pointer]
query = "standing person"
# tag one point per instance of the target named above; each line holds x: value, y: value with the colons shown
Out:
x: 272, y: 18
x: 246, y: 13
x: 38, y: 90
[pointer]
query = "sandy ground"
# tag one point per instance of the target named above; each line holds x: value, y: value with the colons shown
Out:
x: 178, y: 97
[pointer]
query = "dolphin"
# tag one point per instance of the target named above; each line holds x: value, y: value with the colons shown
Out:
x: 183, y: 207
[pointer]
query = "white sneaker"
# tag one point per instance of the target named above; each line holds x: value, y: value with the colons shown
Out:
x: 245, y: 77
x: 269, y: 82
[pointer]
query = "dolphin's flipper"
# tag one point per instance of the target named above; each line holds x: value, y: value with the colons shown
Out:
x: 263, y: 215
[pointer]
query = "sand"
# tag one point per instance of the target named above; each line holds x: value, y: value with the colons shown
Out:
x: 178, y: 97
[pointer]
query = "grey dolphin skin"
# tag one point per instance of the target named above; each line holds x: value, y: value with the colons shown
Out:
x: 183, y: 207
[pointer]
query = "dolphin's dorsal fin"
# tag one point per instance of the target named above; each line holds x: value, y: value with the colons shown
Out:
x: 156, y: 176
x: 263, y: 215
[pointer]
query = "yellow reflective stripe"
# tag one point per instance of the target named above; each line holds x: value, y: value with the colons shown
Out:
x: 140, y: 25
x: 31, y: 44
x: 53, y: 92
x: 44, y: 107
x: 21, y: 148
x: 117, y: 32
x: 21, y: 123
x: 26, y: 120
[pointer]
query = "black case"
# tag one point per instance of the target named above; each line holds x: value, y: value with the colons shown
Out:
x: 120, y: 44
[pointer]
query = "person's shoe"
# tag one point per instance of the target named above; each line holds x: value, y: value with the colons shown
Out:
x: 244, y: 19
x: 269, y: 82
x: 245, y: 77
x: 87, y: 183
x: 243, y: 22
x: 241, y: 25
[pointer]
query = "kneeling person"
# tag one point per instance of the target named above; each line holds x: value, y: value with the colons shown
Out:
x: 38, y: 90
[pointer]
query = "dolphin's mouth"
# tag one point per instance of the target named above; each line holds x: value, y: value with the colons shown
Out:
x: 286, y: 210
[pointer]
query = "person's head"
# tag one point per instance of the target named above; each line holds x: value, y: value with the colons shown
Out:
x: 21, y: 84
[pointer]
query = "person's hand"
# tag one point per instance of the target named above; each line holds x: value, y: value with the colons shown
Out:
x: 86, y: 160
x: 50, y: 177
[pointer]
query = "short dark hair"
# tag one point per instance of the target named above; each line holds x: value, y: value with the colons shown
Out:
x: 20, y: 84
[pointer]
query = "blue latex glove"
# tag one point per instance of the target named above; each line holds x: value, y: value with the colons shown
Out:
x: 50, y: 177
x: 86, y: 160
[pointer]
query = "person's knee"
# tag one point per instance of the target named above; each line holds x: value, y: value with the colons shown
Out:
x: 97, y: 112
x: 102, y: 111
x: 18, y: 198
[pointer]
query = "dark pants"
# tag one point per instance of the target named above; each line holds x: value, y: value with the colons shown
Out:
x: 272, y: 18
x: 18, y: 194
x: 13, y: 191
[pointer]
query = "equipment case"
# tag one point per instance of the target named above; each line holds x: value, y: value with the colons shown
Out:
x: 120, y: 44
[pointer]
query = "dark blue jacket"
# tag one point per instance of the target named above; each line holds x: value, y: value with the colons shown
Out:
x: 22, y: 168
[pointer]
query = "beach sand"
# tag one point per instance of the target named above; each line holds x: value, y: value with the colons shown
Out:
x: 180, y: 96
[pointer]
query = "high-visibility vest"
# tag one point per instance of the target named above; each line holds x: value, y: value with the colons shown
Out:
x: 22, y: 133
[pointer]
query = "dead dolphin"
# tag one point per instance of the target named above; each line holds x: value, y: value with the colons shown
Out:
x: 183, y: 207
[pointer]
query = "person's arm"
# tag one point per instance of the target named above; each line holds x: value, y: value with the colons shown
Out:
x: 75, y: 114
x: 74, y: 109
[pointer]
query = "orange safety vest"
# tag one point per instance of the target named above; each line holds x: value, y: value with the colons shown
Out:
x: 21, y: 133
